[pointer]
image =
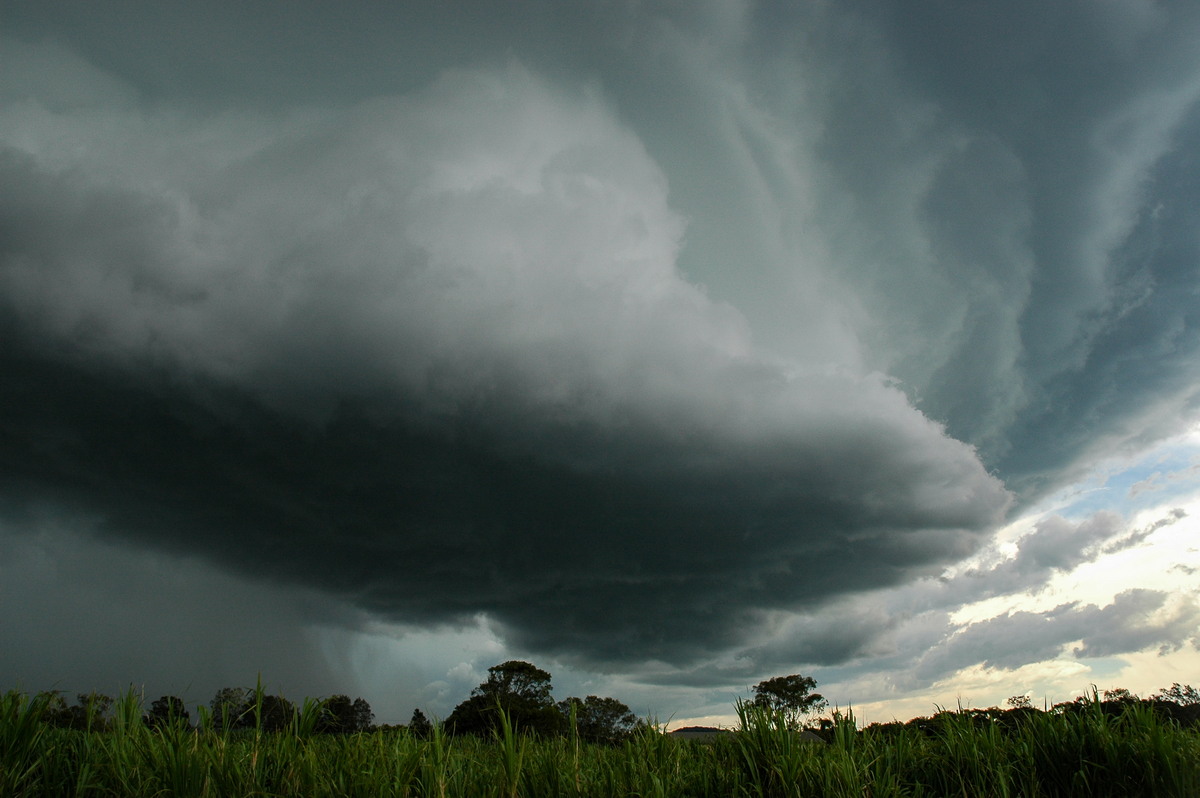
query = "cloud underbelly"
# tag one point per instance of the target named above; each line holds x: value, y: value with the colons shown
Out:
x: 434, y: 354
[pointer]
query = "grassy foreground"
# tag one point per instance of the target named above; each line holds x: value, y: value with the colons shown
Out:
x: 1090, y: 753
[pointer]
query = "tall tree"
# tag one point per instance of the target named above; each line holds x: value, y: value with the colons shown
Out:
x: 790, y: 696
x: 518, y: 681
x: 419, y: 725
x: 518, y: 688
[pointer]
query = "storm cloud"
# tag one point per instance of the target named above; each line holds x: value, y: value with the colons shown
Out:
x: 644, y: 332
x: 446, y: 336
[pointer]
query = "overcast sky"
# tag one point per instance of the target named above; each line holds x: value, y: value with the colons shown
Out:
x: 668, y: 345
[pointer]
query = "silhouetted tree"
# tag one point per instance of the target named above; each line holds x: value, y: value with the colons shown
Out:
x: 340, y: 715
x: 1020, y: 702
x: 246, y: 708
x: 521, y: 690
x: 1183, y: 694
x: 54, y: 708
x: 791, y: 696
x: 419, y: 725
x: 232, y: 708
x: 599, y: 720
x: 1121, y: 695
x: 168, y: 710
x: 89, y: 712
x: 273, y: 713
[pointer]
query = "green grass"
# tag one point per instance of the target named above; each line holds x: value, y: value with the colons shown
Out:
x: 1093, y: 752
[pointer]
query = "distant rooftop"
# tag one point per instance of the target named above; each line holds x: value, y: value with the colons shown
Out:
x: 698, y: 732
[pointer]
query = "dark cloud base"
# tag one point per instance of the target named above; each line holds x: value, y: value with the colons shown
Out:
x: 434, y: 527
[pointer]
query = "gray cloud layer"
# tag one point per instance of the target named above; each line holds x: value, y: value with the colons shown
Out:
x: 908, y: 636
x: 439, y: 368
x: 1135, y: 620
x: 585, y: 325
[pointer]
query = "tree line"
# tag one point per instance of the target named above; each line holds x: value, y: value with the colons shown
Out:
x: 519, y: 689
x: 1178, y: 704
x: 521, y: 693
x: 232, y: 708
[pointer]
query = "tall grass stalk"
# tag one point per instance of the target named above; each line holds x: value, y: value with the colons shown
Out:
x: 21, y: 748
x: 512, y: 754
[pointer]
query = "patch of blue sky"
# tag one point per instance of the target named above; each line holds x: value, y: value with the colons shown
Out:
x: 1163, y: 474
x: 1104, y: 670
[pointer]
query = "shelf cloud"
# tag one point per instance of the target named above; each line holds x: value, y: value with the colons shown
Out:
x: 657, y: 336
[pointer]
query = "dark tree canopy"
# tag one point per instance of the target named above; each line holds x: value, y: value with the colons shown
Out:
x: 1120, y: 694
x: 1020, y: 701
x: 272, y: 713
x: 419, y: 725
x: 232, y: 708
x: 340, y: 715
x: 518, y: 680
x: 54, y: 708
x: 791, y: 696
x: 169, y: 710
x: 599, y: 720
x: 1183, y: 694
x: 89, y: 712
x: 244, y: 707
x: 518, y: 688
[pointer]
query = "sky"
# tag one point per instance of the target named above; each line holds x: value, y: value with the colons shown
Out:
x: 670, y: 346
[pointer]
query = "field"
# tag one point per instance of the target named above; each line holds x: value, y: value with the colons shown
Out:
x: 1093, y: 752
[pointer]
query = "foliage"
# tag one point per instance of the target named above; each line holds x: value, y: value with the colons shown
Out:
x: 419, y: 725
x: 1117, y: 694
x: 232, y: 708
x: 599, y: 720
x: 250, y: 708
x: 520, y: 690
x: 168, y: 710
x: 1020, y: 702
x: 790, y: 696
x: 1089, y: 752
x: 518, y: 680
x: 1182, y: 694
x: 90, y: 710
x: 53, y: 708
x: 273, y: 713
x: 340, y: 715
